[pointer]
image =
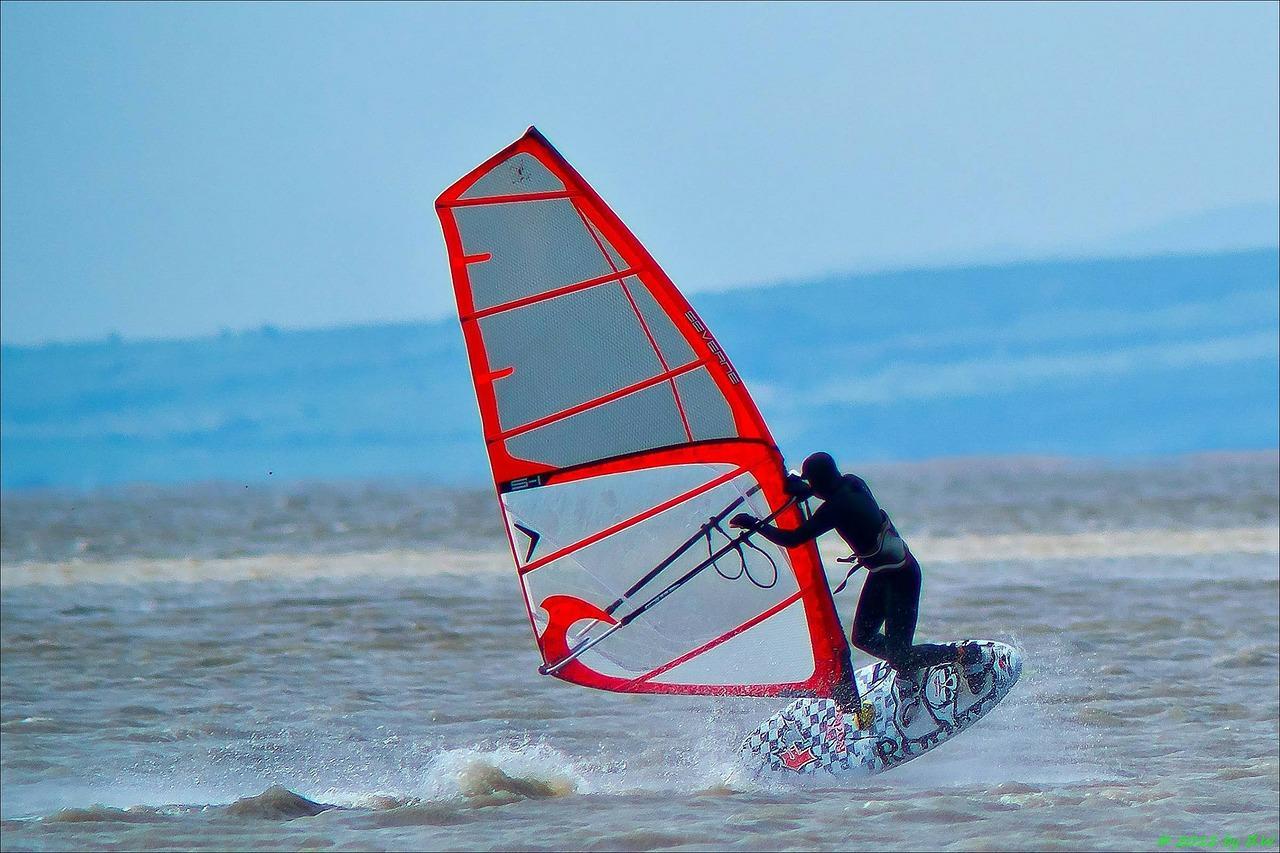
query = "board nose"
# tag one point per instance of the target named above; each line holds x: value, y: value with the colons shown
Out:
x: 1007, y: 661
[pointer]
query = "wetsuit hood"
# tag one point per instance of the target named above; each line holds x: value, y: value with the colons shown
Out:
x: 821, y: 472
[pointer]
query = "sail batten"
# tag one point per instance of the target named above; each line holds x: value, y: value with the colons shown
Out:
x: 618, y: 432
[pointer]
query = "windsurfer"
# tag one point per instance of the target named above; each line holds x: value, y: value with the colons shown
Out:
x: 890, y: 596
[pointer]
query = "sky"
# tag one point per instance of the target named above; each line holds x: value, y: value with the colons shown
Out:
x: 172, y: 170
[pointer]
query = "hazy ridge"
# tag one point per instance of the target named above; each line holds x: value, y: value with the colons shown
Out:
x: 1121, y: 357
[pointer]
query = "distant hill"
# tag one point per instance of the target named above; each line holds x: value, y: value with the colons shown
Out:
x: 1141, y: 356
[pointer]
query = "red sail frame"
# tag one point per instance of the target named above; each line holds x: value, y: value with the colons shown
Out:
x: 754, y: 449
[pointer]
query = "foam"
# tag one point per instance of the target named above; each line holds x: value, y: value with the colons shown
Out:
x: 441, y: 561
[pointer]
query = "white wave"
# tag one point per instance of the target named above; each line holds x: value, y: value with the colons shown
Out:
x: 1110, y: 543
x: 407, y: 563
x: 391, y: 563
x: 517, y: 770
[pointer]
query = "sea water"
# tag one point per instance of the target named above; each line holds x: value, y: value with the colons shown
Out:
x: 350, y: 666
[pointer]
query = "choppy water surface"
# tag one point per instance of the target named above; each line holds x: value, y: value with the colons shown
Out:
x: 159, y: 683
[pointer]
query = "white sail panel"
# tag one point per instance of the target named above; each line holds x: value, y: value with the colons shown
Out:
x: 518, y: 175
x: 563, y: 514
x: 776, y: 649
x: 547, y: 374
x: 533, y: 247
x: 712, y: 603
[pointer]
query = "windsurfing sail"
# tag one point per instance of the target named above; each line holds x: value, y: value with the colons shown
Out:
x: 621, y: 440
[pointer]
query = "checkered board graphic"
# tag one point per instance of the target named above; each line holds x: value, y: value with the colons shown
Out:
x: 812, y: 735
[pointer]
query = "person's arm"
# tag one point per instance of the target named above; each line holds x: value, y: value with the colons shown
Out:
x: 811, y: 528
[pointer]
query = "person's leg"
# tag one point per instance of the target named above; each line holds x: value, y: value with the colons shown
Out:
x: 903, y: 602
x: 869, y: 616
x: 845, y: 690
x: 900, y: 624
x: 865, y: 636
x: 903, y: 598
x: 931, y: 654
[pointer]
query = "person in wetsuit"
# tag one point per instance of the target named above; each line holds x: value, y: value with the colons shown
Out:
x: 891, y: 594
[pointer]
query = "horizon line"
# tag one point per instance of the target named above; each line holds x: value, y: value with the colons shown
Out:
x: 269, y: 328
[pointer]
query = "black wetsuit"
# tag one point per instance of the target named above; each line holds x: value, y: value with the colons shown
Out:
x: 891, y: 594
